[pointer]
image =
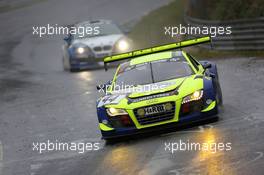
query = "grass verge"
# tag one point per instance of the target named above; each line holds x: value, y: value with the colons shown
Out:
x: 149, y: 31
x: 7, y: 7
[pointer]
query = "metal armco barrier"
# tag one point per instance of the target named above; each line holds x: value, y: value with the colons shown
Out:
x: 247, y: 34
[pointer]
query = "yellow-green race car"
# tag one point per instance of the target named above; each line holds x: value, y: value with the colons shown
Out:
x: 158, y: 89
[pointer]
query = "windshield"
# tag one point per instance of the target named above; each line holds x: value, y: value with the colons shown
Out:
x: 153, y: 72
x: 103, y: 29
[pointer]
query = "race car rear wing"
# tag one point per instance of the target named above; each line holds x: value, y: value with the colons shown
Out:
x: 156, y: 49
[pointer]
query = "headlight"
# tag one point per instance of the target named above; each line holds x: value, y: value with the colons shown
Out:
x: 80, y: 50
x: 122, y: 45
x: 115, y: 111
x: 197, y: 95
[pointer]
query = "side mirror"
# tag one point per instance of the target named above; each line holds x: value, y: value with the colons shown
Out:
x: 207, y: 66
x: 67, y: 39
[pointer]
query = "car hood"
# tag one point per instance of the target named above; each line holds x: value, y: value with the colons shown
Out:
x: 99, y: 41
x: 184, y: 86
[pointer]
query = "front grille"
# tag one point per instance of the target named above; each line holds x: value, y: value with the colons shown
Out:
x: 103, y: 48
x: 97, y: 49
x: 155, y: 118
x: 107, y: 47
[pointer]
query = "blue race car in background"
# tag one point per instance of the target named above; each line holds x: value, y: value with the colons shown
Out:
x: 85, y: 51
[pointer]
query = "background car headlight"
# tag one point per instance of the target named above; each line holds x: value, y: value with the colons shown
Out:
x: 197, y: 95
x: 115, y: 111
x: 122, y: 45
x: 80, y: 50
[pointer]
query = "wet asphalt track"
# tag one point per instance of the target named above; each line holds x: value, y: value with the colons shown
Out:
x: 40, y: 102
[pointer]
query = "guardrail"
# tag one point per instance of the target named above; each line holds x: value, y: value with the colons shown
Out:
x: 247, y: 34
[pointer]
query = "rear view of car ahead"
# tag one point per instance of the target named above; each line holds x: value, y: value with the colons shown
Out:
x: 157, y: 91
x: 90, y: 41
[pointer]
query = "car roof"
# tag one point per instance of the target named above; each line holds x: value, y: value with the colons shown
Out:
x: 155, y: 57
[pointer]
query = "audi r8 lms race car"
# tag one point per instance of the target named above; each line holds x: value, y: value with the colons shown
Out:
x: 156, y: 90
x: 84, y: 50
